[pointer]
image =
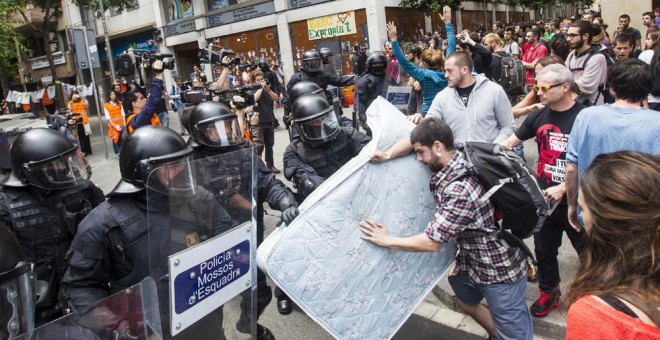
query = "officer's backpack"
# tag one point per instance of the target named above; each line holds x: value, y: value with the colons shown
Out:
x: 655, y: 72
x: 603, y: 89
x: 512, y: 74
x: 520, y: 205
x: 124, y: 66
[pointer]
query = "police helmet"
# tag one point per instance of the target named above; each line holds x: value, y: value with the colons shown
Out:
x: 315, y: 119
x: 17, y: 289
x: 214, y: 125
x: 263, y: 65
x: 311, y: 61
x: 154, y: 157
x: 46, y: 159
x: 302, y: 88
x: 326, y: 55
x: 376, y: 63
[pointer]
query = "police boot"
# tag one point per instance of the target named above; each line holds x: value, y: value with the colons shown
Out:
x: 263, y: 333
x: 284, y: 305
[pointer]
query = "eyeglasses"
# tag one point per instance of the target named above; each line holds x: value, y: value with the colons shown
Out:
x: 545, y: 88
x: 573, y: 35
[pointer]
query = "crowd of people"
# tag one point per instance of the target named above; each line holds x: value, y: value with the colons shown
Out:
x: 589, y: 103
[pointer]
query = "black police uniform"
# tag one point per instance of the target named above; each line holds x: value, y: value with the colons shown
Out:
x: 111, y: 249
x: 369, y: 87
x: 308, y: 166
x: 45, y: 218
x: 225, y: 177
x: 322, y: 79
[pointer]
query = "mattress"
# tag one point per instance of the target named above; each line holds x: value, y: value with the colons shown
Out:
x: 351, y: 287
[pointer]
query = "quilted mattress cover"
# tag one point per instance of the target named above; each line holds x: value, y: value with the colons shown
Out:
x: 351, y: 287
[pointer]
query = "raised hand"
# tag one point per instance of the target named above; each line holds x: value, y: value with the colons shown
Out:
x: 391, y: 30
x: 445, y: 16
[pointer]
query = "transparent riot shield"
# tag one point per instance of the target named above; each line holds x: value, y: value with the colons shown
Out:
x: 129, y: 314
x: 202, y: 245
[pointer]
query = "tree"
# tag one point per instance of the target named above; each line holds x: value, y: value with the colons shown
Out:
x: 10, y: 44
x: 52, y: 9
x: 430, y: 7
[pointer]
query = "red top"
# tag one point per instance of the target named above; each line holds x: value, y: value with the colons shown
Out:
x: 589, y: 318
x: 531, y: 56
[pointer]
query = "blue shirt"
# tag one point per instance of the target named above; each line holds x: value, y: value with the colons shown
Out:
x: 609, y: 128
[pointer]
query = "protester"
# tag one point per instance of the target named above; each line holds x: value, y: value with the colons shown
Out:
x: 624, y: 125
x: 624, y: 28
x: 653, y: 49
x: 551, y: 126
x: 79, y: 109
x: 616, y: 292
x: 536, y: 51
x: 481, y: 56
x: 510, y: 45
x: 433, y: 79
x: 485, y: 267
x: 589, y: 67
x: 623, y: 47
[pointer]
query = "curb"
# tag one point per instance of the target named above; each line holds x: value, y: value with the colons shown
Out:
x: 552, y: 326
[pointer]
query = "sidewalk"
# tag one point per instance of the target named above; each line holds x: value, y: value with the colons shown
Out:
x: 434, y: 318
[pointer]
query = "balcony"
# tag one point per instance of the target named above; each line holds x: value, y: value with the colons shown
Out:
x: 34, y: 15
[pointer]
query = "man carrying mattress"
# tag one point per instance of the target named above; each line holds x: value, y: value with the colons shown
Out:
x: 486, y: 267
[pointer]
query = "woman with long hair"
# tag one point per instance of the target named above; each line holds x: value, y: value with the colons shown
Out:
x: 647, y: 56
x: 432, y: 79
x: 116, y: 118
x: 616, y: 294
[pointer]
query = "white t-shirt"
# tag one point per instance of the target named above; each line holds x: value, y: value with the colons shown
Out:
x: 647, y: 57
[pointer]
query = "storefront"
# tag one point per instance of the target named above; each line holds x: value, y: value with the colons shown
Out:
x: 340, y: 32
x: 251, y: 45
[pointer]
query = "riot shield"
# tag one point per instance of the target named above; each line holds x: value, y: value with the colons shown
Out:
x: 129, y: 314
x: 202, y: 245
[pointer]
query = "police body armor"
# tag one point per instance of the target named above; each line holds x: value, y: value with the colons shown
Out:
x: 45, y: 234
x: 369, y: 87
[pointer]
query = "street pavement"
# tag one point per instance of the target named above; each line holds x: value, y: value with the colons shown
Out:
x: 434, y: 319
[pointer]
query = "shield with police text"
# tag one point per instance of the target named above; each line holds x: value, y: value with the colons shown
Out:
x: 202, y: 245
x: 129, y: 314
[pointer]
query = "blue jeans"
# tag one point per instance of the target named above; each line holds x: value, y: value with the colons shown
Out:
x: 164, y: 119
x: 506, y: 303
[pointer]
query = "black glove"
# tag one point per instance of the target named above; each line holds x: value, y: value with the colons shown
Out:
x: 290, y: 214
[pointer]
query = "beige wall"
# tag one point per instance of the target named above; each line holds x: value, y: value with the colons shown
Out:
x: 612, y: 9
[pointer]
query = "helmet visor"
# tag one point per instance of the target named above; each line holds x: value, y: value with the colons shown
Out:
x: 220, y: 133
x: 17, y: 298
x: 319, y: 129
x: 312, y: 65
x: 174, y: 178
x: 60, y: 173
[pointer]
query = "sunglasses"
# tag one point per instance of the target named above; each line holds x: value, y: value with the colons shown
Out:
x: 545, y: 88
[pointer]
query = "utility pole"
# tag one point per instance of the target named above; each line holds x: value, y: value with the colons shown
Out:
x: 107, y: 42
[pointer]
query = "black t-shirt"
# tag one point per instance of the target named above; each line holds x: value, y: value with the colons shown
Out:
x: 551, y: 129
x: 265, y: 109
x: 464, y: 93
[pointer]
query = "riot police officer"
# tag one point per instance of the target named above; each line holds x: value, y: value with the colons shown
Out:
x: 312, y: 70
x: 112, y: 249
x: 215, y: 130
x: 17, y: 290
x: 323, y: 146
x: 370, y: 85
x: 299, y: 89
x: 43, y: 200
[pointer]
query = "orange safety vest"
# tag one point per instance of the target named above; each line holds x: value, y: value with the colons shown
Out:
x: 154, y: 121
x: 45, y: 100
x: 115, y: 119
x: 78, y: 109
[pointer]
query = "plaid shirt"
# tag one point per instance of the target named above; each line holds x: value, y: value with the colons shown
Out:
x: 460, y: 210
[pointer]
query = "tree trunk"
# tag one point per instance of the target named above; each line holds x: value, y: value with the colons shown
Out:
x: 59, y: 94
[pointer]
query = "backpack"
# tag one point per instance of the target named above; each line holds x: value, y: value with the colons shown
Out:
x: 655, y: 72
x: 603, y: 89
x: 512, y: 74
x: 511, y: 188
x: 124, y: 65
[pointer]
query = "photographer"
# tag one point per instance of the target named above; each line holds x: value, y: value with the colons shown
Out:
x: 264, y: 97
x: 248, y: 121
x: 222, y: 83
x: 143, y: 110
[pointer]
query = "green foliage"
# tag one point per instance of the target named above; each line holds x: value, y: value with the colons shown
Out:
x: 430, y: 6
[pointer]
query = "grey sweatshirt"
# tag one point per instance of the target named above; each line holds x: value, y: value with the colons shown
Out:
x: 487, y: 118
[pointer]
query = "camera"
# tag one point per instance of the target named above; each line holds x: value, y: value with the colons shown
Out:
x: 212, y: 57
x: 63, y: 118
x: 168, y: 59
x: 246, y: 92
